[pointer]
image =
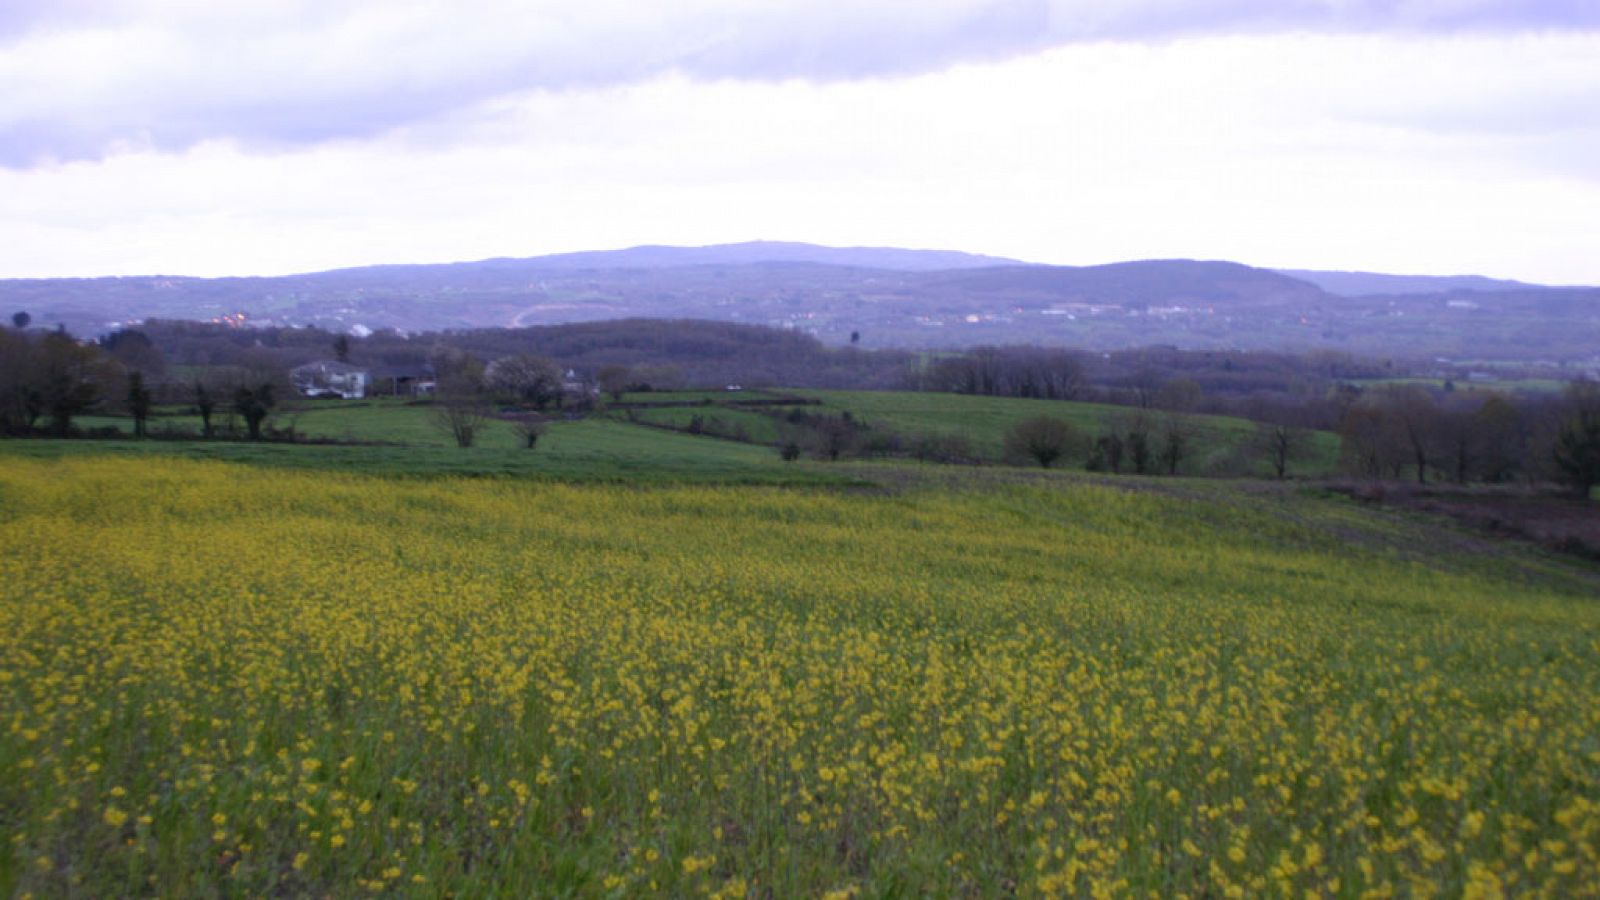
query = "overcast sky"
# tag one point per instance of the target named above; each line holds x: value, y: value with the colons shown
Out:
x: 218, y: 137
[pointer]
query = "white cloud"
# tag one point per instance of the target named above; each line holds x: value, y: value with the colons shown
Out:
x: 1288, y: 150
x: 78, y: 78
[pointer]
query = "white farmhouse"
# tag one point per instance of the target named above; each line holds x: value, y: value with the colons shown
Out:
x: 329, y: 378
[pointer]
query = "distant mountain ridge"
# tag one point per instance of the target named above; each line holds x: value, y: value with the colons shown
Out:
x: 1371, y: 284
x: 1145, y: 283
x: 881, y: 297
x: 657, y: 256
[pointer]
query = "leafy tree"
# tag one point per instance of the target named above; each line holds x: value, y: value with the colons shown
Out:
x: 941, y: 446
x: 1108, y: 453
x: 135, y: 351
x: 205, y: 402
x: 1042, y: 439
x: 1180, y: 395
x: 1502, y: 438
x: 138, y: 402
x: 527, y: 379
x: 1577, y: 447
x: 254, y: 404
x: 341, y: 348
x: 614, y: 381
x: 21, y: 400
x: 70, y: 378
x: 21, y: 319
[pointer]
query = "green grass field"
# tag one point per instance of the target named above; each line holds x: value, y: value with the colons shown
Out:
x: 755, y: 426
x: 984, y: 421
x: 1506, y: 385
x: 1220, y: 444
x: 588, y: 450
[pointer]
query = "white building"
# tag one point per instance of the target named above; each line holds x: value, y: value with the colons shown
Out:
x: 328, y: 378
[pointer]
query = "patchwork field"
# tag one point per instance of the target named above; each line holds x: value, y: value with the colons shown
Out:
x: 221, y: 678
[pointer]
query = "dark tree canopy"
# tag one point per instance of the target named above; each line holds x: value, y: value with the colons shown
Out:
x: 254, y: 404
x: 1577, y: 446
x: 1041, y: 439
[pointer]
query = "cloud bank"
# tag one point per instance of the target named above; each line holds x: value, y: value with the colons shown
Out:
x: 83, y: 80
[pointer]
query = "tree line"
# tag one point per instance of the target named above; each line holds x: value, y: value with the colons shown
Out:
x: 234, y: 378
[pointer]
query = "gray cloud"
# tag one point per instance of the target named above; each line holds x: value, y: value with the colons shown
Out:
x: 79, y: 79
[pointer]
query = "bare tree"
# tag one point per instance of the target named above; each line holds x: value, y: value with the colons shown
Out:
x: 460, y: 411
x: 614, y: 381
x: 530, y: 430
x: 1042, y: 439
x: 1145, y: 384
x: 833, y: 436
x: 1175, y: 442
x: 1413, y: 411
x: 1282, y: 445
x: 1138, y: 448
x: 1365, y: 440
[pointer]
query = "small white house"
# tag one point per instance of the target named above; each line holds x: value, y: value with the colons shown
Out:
x: 329, y: 378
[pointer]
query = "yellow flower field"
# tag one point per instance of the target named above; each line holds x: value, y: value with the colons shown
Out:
x: 224, y: 680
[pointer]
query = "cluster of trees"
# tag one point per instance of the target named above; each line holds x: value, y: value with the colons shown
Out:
x: 662, y: 354
x: 523, y: 387
x: 1136, y: 443
x: 50, y: 379
x: 1406, y: 431
x: 1036, y: 372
